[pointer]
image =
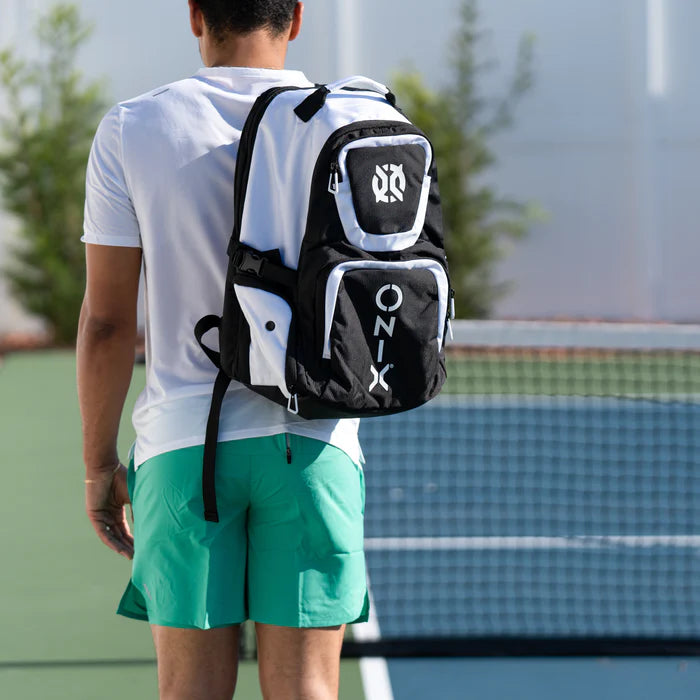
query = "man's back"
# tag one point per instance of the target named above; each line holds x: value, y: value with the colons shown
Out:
x: 287, y: 551
x: 168, y: 159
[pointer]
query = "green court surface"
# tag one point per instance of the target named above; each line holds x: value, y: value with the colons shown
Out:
x: 572, y: 372
x: 59, y: 586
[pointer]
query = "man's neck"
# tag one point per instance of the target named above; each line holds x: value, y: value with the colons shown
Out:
x: 254, y: 50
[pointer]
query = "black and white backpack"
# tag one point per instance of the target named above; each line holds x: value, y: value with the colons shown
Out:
x: 337, y: 299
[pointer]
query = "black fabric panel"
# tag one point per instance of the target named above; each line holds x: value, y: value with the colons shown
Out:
x: 380, y: 362
x: 336, y: 392
x: 323, y: 225
x: 386, y: 183
x: 433, y: 229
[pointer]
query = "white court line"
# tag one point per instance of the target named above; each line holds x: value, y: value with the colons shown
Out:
x: 374, y: 670
x: 575, y: 542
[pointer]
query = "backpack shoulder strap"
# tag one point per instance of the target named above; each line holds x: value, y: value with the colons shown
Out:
x: 221, y: 385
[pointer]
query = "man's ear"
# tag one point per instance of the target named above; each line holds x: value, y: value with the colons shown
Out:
x: 196, y: 19
x: 297, y: 21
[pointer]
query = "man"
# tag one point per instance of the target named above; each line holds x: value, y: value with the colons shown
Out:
x: 288, y: 550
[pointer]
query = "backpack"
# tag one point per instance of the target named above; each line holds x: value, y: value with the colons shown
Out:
x: 337, y: 298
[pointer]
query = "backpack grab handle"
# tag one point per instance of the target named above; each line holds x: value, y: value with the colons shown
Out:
x: 359, y: 82
x: 308, y: 109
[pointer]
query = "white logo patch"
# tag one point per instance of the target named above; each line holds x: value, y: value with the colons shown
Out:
x: 389, y: 183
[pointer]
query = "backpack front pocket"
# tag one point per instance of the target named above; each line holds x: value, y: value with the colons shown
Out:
x: 382, y: 186
x: 399, y: 311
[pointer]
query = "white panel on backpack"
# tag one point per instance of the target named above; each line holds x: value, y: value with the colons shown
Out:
x: 276, y: 219
x: 269, y: 317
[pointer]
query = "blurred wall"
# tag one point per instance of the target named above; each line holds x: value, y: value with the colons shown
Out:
x: 611, y: 162
x: 609, y: 143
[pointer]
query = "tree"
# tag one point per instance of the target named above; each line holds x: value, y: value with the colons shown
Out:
x: 46, y: 133
x: 460, y: 124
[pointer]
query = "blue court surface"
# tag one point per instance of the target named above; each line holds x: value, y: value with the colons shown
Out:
x: 554, y: 517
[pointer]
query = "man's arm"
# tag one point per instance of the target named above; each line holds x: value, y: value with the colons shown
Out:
x: 106, y: 341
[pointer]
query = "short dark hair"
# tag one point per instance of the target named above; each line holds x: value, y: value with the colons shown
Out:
x: 224, y: 17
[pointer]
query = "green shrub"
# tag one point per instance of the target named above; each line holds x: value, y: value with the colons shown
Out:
x: 46, y: 132
x: 460, y: 122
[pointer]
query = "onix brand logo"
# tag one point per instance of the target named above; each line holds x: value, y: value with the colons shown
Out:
x: 389, y: 183
x: 389, y: 299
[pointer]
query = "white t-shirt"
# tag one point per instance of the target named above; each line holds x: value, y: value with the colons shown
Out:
x: 160, y: 177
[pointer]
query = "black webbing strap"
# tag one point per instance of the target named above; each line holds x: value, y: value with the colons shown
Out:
x: 315, y: 102
x: 211, y: 512
x: 204, y: 326
x: 308, y: 109
x: 253, y: 263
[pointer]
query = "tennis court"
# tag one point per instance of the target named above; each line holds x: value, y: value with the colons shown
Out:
x: 548, y: 503
x: 545, y: 505
x: 59, y: 585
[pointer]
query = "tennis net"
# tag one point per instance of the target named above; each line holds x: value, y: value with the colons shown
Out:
x: 547, y: 502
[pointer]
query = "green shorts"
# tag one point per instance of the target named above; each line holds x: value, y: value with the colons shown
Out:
x: 288, y: 549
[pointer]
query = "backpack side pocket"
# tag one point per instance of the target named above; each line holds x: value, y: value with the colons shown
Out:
x: 269, y: 319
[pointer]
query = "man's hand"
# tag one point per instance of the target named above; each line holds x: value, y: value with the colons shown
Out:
x: 106, y: 496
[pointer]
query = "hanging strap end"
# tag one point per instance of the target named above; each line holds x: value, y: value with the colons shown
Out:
x: 308, y: 109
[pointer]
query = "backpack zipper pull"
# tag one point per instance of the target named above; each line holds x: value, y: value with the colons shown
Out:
x: 336, y: 178
x: 450, y: 316
x: 293, y: 404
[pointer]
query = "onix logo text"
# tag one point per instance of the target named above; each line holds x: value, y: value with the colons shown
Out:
x: 389, y: 299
